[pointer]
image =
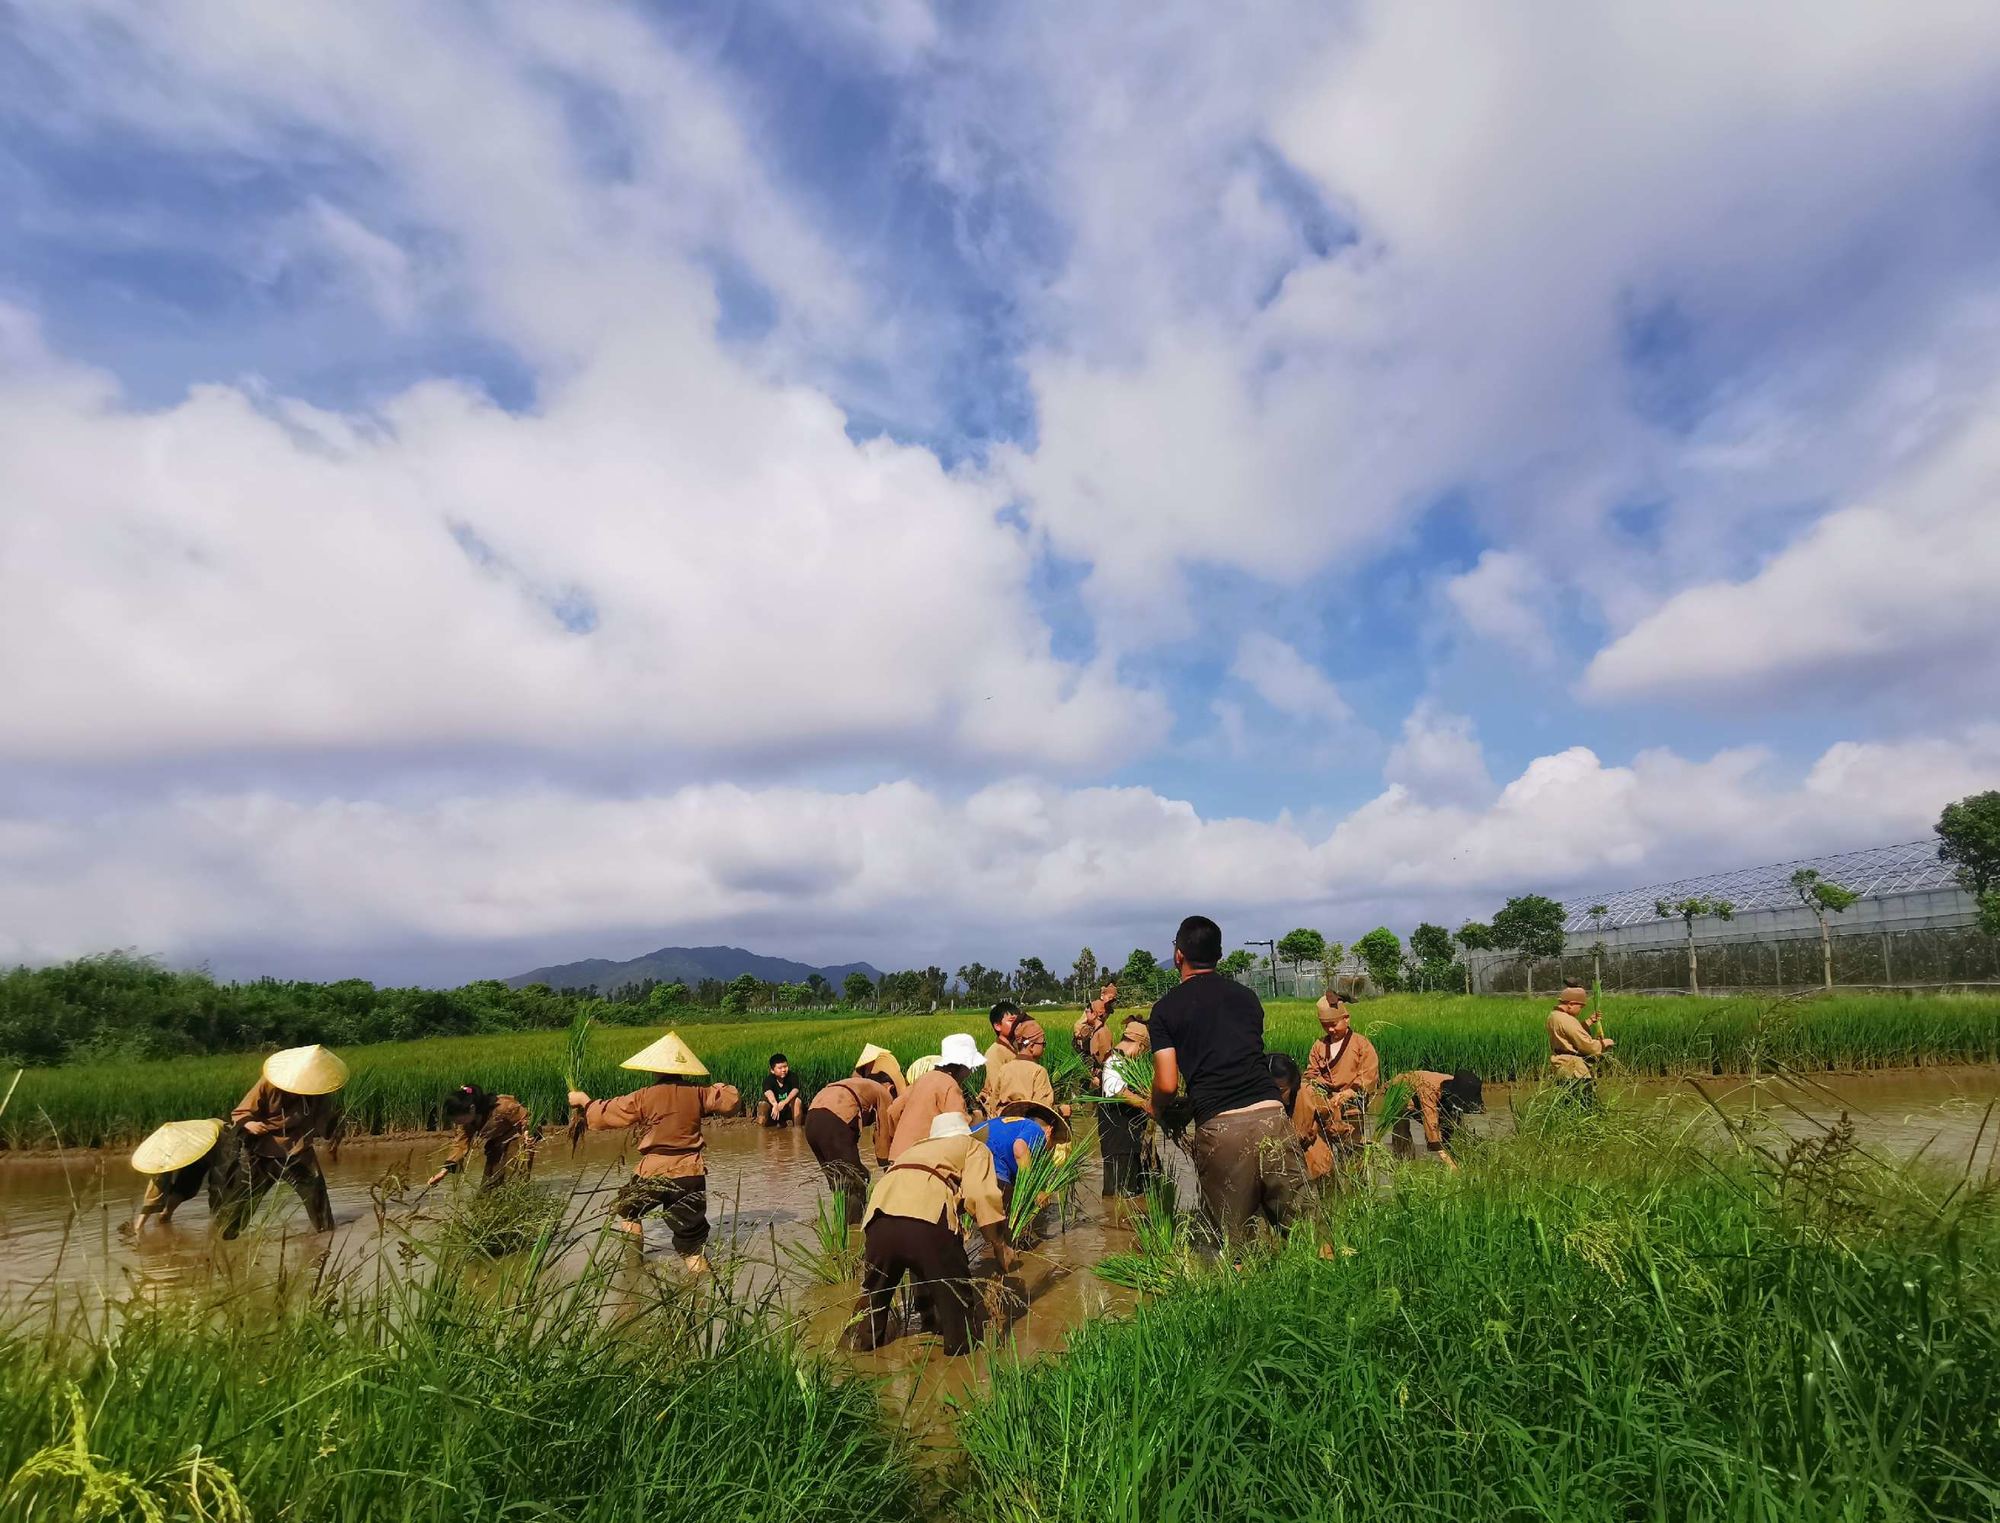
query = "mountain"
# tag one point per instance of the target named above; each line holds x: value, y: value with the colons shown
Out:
x: 690, y: 965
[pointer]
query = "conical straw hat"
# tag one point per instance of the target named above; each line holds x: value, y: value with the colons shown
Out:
x: 1053, y: 1120
x: 305, y: 1070
x: 175, y: 1146
x: 669, y: 1055
x: 883, y: 1061
x: 921, y: 1066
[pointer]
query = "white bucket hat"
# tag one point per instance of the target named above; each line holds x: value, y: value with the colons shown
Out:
x: 950, y: 1123
x: 961, y: 1051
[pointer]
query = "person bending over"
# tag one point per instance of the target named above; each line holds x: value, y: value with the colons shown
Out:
x: 912, y: 1228
x: 1439, y: 1100
x: 497, y: 1124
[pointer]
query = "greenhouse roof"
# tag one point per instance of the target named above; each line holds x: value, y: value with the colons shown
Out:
x: 1876, y: 873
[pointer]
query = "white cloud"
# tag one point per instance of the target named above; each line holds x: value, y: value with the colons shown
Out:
x: 1903, y: 591
x: 668, y: 553
x: 1289, y: 683
x: 675, y: 549
x: 1439, y: 758
x: 1525, y: 214
x: 897, y: 870
x: 1501, y: 598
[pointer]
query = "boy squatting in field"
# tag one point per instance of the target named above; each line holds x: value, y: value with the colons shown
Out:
x: 672, y: 1175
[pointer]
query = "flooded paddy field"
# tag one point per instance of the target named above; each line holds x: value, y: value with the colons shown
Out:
x: 1599, y: 1310
x: 63, y: 1216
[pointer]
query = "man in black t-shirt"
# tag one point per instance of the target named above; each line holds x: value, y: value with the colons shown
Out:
x: 1210, y: 1032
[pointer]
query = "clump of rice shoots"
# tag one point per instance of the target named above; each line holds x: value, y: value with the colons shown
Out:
x: 1049, y: 1178
x: 832, y: 1257
x: 1393, y: 1107
x: 505, y: 1220
x: 575, y: 1054
x: 1164, y: 1253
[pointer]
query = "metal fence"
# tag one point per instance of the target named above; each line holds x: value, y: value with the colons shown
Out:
x: 1917, y: 957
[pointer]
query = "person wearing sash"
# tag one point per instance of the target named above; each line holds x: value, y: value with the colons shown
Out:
x: 665, y: 1116
x: 912, y: 1228
x: 1342, y: 1074
x: 1575, y: 1044
x: 941, y: 1089
x: 836, y: 1116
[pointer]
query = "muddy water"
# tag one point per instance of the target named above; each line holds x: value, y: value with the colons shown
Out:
x: 60, y: 1216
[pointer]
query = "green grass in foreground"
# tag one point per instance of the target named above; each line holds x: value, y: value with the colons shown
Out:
x: 399, y: 1085
x: 1582, y: 1326
x: 458, y: 1395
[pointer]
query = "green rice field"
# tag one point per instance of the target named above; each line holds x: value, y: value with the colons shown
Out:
x: 398, y: 1086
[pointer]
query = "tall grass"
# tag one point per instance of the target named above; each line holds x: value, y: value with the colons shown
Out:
x: 502, y: 1391
x: 1589, y: 1323
x: 401, y: 1086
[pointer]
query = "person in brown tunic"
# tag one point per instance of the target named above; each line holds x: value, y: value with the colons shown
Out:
x: 1574, y: 1042
x: 1092, y: 1036
x: 833, y: 1132
x: 1342, y: 1073
x: 939, y: 1091
x: 912, y: 1228
x: 179, y: 1160
x: 291, y: 1104
x: 499, y: 1125
x: 665, y: 1116
x: 1440, y: 1099
x: 1014, y: 1036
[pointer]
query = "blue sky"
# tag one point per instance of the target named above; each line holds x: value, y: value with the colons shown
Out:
x: 910, y: 483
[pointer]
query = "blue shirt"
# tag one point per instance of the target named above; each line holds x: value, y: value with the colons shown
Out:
x: 1001, y: 1134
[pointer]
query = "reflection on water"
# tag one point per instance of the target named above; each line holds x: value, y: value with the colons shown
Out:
x: 60, y: 1216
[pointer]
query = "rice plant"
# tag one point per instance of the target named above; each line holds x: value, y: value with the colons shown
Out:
x: 1048, y: 1178
x: 508, y: 1219
x: 397, y: 1086
x: 1640, y: 1330
x: 454, y: 1390
x: 832, y: 1256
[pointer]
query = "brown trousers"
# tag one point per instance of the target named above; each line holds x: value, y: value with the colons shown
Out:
x: 258, y: 1173
x: 933, y: 1257
x: 683, y: 1202
x: 837, y: 1146
x: 1249, y: 1165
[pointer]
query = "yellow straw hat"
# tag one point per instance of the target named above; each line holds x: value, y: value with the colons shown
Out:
x: 1574, y: 995
x: 921, y: 1066
x: 175, y: 1146
x: 305, y: 1071
x: 1058, y: 1127
x: 883, y: 1061
x: 669, y: 1055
